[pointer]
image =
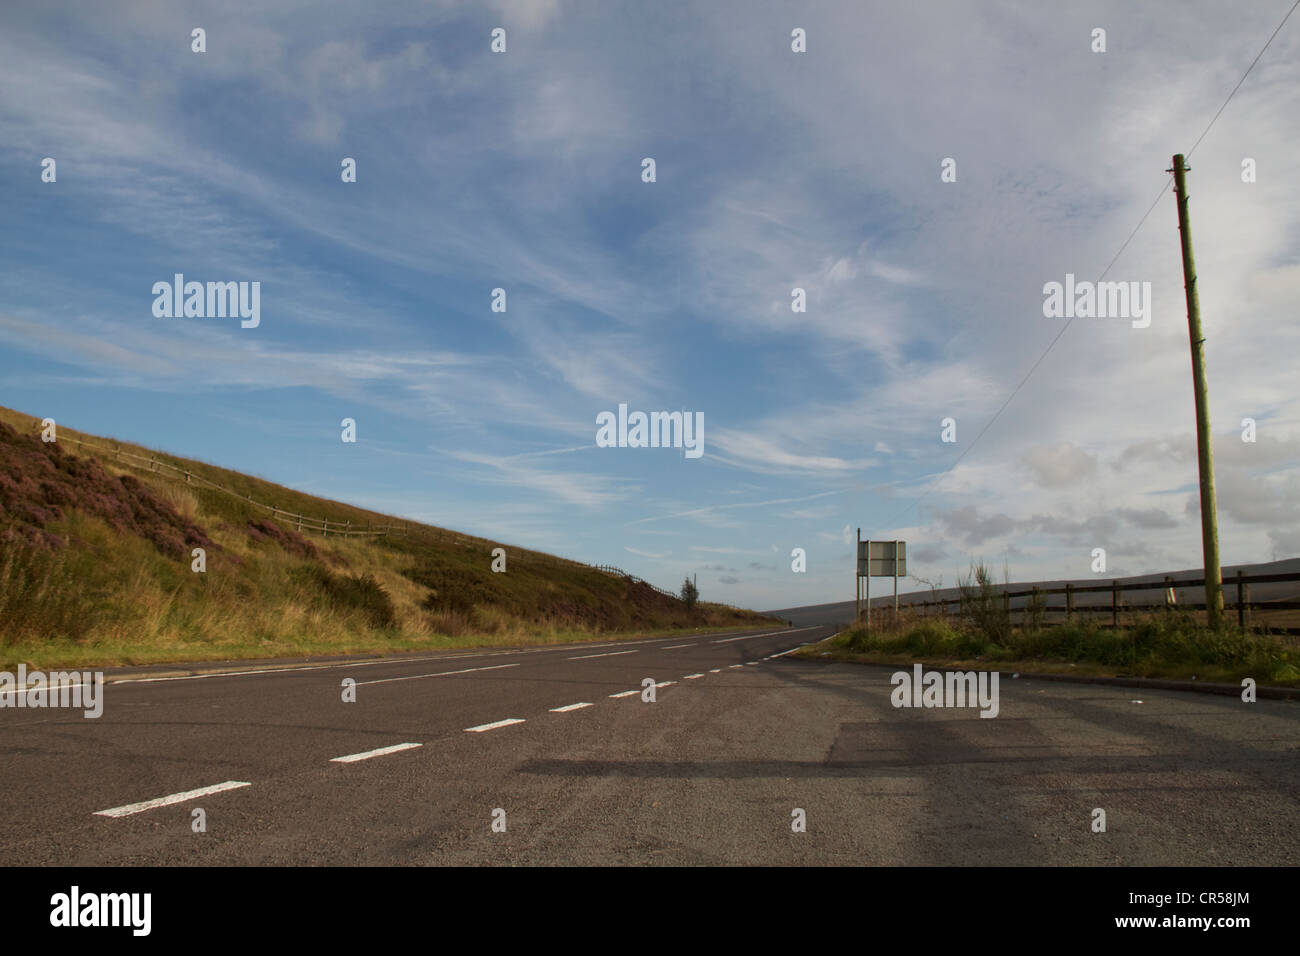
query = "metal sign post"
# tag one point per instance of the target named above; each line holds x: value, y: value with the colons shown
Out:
x: 896, y: 544
x: 879, y: 559
x: 857, y: 583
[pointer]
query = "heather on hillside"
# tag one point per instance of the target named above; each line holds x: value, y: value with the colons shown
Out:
x: 99, y: 563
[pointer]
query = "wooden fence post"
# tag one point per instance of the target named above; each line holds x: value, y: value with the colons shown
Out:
x: 1241, y: 602
x: 325, y: 528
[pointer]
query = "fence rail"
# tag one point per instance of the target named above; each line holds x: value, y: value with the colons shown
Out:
x: 1037, y: 605
x: 619, y: 572
x: 158, y: 466
x: 326, y: 527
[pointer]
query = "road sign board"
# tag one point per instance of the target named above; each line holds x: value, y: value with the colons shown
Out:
x: 882, y: 559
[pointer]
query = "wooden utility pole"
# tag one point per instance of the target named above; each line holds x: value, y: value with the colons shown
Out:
x: 1204, y: 453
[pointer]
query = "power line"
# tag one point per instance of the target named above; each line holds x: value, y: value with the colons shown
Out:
x: 1243, y: 77
x: 1052, y: 344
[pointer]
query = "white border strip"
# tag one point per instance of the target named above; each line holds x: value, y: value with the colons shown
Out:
x: 131, y: 808
x: 353, y: 758
x: 494, y: 725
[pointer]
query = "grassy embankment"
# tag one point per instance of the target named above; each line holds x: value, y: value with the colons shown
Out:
x: 95, y: 568
x: 1168, y: 644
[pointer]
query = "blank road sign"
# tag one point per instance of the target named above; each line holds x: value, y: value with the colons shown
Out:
x: 882, y: 559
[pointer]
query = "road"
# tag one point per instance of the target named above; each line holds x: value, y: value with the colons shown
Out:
x: 709, y: 773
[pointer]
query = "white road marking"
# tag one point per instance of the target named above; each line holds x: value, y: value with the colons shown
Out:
x: 353, y: 758
x: 131, y: 808
x: 606, y: 654
x: 50, y: 687
x: 750, y: 637
x: 468, y: 670
x: 737, y: 665
x: 386, y: 660
x: 675, y: 646
x: 626, y: 693
x: 716, y: 670
x: 666, y: 683
x: 790, y: 651
x: 692, y: 676
x: 568, y: 707
x: 494, y: 725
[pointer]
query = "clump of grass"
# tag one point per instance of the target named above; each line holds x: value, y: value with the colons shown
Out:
x: 983, y: 603
x: 360, y: 592
x: 40, y: 596
x: 179, y: 498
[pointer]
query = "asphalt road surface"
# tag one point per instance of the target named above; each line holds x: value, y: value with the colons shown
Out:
x: 712, y: 772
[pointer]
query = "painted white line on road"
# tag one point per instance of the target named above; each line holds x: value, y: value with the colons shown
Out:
x: 131, y: 808
x: 716, y: 670
x: 468, y: 670
x: 626, y: 693
x: 666, y: 683
x: 606, y: 654
x: 568, y: 707
x: 692, y: 676
x: 675, y: 646
x: 386, y: 660
x: 494, y: 725
x: 751, y: 637
x: 353, y: 758
x: 790, y: 651
x: 737, y: 665
x: 50, y: 687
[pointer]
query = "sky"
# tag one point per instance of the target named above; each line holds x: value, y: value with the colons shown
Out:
x: 774, y: 170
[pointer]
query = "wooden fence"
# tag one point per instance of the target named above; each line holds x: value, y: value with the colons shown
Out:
x: 619, y: 572
x: 1036, y: 603
x: 326, y: 527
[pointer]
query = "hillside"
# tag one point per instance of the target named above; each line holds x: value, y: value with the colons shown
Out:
x: 96, y: 566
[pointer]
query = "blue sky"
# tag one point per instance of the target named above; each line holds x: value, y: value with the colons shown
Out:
x: 775, y: 170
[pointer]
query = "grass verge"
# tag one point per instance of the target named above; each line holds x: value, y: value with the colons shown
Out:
x: 1167, y: 645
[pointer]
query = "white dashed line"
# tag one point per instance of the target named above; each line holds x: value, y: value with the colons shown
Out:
x: 626, y: 693
x: 692, y: 676
x: 568, y: 707
x: 737, y: 665
x: 675, y: 646
x: 494, y: 725
x: 607, y: 654
x: 353, y: 758
x: 716, y: 670
x: 131, y: 808
x: 666, y: 683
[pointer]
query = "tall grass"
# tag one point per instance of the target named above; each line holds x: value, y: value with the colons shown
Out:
x: 1167, y: 644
